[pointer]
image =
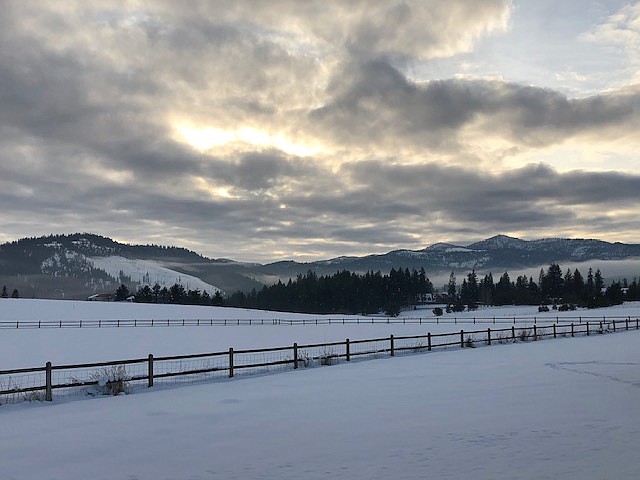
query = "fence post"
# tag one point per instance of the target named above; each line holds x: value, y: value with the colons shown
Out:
x: 488, y: 336
x: 347, y: 349
x: 230, y: 362
x: 513, y: 333
x: 572, y: 329
x: 47, y: 395
x: 393, y: 352
x: 535, y: 332
x: 554, y: 330
x: 461, y: 338
x: 626, y: 321
x: 587, y: 329
x: 429, y: 341
x: 150, y: 370
x: 295, y: 355
x: 614, y: 325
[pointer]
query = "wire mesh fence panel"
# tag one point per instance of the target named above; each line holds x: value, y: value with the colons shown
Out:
x: 376, y: 348
x: 189, y: 370
x: 22, y: 386
x: 252, y: 363
x: 317, y: 355
x: 98, y: 380
x: 410, y: 345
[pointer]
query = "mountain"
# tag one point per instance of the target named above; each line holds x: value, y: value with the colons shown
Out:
x: 498, y: 253
x: 78, y: 265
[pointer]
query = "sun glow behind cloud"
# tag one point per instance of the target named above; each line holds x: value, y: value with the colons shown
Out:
x: 205, y: 139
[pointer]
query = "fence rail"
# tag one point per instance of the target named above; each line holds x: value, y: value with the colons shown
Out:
x: 112, y: 377
x: 210, y: 322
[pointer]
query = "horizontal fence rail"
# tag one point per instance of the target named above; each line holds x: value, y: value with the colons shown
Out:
x: 121, y: 376
x: 202, y: 322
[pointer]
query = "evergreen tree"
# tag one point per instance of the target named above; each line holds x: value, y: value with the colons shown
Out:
x: 217, y: 299
x: 156, y: 292
x: 4, y: 293
x: 122, y: 293
x: 486, y: 290
x: 504, y: 291
x: 614, y: 295
x: 177, y: 294
x: 553, y: 283
x: 15, y: 293
x: 451, y: 287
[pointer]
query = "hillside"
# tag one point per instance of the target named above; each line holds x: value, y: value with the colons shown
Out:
x: 77, y: 265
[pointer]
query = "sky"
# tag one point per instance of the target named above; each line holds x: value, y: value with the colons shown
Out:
x: 261, y: 131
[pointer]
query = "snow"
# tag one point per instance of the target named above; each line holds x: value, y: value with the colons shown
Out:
x: 148, y: 272
x: 556, y: 409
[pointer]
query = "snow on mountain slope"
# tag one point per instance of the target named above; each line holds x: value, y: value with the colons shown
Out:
x: 149, y: 273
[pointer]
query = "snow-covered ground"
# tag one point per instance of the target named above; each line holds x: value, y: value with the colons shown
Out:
x: 149, y: 273
x: 562, y: 409
x: 21, y: 348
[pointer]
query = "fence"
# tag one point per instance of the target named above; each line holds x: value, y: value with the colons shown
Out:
x: 123, y: 375
x: 201, y: 322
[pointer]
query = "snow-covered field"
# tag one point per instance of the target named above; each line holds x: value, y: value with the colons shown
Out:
x: 561, y: 409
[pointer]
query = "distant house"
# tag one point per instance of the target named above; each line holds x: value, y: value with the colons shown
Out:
x: 102, y: 297
x: 425, y: 298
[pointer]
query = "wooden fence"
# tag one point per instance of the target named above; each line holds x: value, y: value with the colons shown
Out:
x: 39, y: 383
x: 201, y: 322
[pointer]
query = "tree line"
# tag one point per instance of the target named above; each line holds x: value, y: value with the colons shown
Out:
x: 344, y: 292
x: 352, y: 293
x: 175, y: 294
x: 570, y: 288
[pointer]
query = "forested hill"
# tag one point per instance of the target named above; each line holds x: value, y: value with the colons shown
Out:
x: 77, y: 265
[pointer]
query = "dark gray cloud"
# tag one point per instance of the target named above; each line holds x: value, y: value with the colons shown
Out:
x: 376, y: 103
x: 93, y: 96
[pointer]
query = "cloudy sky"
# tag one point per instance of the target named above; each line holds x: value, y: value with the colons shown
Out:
x: 288, y: 129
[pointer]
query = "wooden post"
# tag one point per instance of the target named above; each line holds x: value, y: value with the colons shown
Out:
x: 554, y: 330
x: 513, y: 332
x: 150, y: 369
x: 393, y: 352
x: 461, y: 338
x: 587, y: 329
x: 614, y: 324
x: 535, y: 332
x: 295, y: 355
x: 429, y: 341
x: 572, y: 329
x: 488, y: 336
x: 48, y: 395
x: 230, y: 362
x: 626, y: 321
x: 347, y: 349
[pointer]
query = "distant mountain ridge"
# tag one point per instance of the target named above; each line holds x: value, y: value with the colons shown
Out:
x: 76, y: 265
x: 499, y: 252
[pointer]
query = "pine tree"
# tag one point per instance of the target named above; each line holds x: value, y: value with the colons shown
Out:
x: 122, y: 293
x: 451, y: 288
x: 4, y: 294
